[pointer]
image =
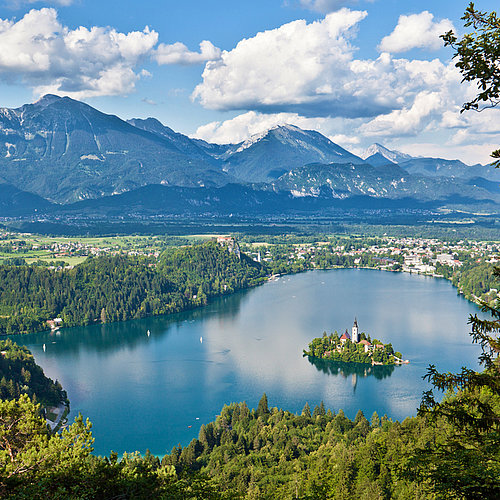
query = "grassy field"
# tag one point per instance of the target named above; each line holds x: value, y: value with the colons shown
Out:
x: 69, y: 260
x: 33, y: 247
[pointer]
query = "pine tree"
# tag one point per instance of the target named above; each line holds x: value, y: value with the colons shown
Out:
x: 466, y: 460
x: 375, y: 420
x: 262, y: 408
x: 306, y: 411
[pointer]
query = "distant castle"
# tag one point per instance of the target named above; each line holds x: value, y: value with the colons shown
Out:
x: 231, y: 244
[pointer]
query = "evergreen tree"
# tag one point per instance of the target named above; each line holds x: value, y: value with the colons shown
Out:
x: 478, y: 58
x: 375, y: 420
x: 471, y: 411
x: 262, y: 408
x: 306, y: 411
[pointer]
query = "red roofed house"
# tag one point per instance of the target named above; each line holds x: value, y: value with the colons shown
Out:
x: 345, y: 337
x: 366, y: 344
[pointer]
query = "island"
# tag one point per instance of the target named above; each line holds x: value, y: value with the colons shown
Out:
x: 354, y: 348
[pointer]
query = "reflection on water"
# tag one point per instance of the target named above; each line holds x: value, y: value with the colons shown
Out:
x: 348, y: 369
x: 155, y: 391
x: 106, y: 337
x: 352, y: 370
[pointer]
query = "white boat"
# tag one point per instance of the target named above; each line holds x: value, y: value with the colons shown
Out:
x: 43, y: 347
x: 201, y: 340
x: 149, y: 333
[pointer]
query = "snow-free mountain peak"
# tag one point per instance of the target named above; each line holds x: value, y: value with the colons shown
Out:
x: 182, y: 142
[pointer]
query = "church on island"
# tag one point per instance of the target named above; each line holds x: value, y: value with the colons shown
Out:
x: 354, y: 338
x: 354, y: 347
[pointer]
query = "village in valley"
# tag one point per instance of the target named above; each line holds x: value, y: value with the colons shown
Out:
x: 354, y: 348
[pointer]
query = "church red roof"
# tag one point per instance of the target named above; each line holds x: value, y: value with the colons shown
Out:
x: 345, y: 336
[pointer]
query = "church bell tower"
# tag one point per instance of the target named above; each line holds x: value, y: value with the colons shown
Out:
x: 355, y: 334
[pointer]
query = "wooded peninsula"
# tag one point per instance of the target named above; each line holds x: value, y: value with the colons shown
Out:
x: 121, y: 287
x: 118, y: 283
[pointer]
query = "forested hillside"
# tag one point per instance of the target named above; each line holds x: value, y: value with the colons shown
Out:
x: 448, y: 451
x: 117, y: 288
x: 207, y: 270
x: 267, y: 453
x: 475, y: 280
x: 19, y: 374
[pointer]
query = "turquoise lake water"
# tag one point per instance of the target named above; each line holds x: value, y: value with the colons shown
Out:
x: 153, y: 392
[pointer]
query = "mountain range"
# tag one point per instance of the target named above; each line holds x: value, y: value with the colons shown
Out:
x: 58, y: 152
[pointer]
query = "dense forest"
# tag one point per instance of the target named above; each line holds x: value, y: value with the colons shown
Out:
x: 207, y: 270
x: 117, y: 288
x: 19, y: 374
x: 475, y: 280
x: 448, y: 451
x: 265, y: 453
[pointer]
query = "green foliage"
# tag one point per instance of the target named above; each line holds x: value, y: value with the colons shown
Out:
x: 464, y: 461
x: 478, y: 56
x: 262, y: 408
x: 30, y: 455
x: 322, y: 455
x: 117, y: 288
x: 330, y: 348
x: 474, y: 279
x: 19, y: 374
x: 35, y: 464
x: 208, y: 269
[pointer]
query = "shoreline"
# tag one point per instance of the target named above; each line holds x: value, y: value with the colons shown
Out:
x: 266, y: 279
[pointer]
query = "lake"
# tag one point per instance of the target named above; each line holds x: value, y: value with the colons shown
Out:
x: 154, y: 391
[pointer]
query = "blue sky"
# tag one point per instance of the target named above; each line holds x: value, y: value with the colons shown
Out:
x: 358, y: 71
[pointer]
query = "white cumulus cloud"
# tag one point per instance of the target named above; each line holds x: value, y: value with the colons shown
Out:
x: 406, y: 121
x: 308, y: 75
x: 178, y: 53
x: 298, y: 67
x: 85, y: 62
x: 343, y: 139
x: 416, y: 31
x: 243, y: 126
x: 310, y: 69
